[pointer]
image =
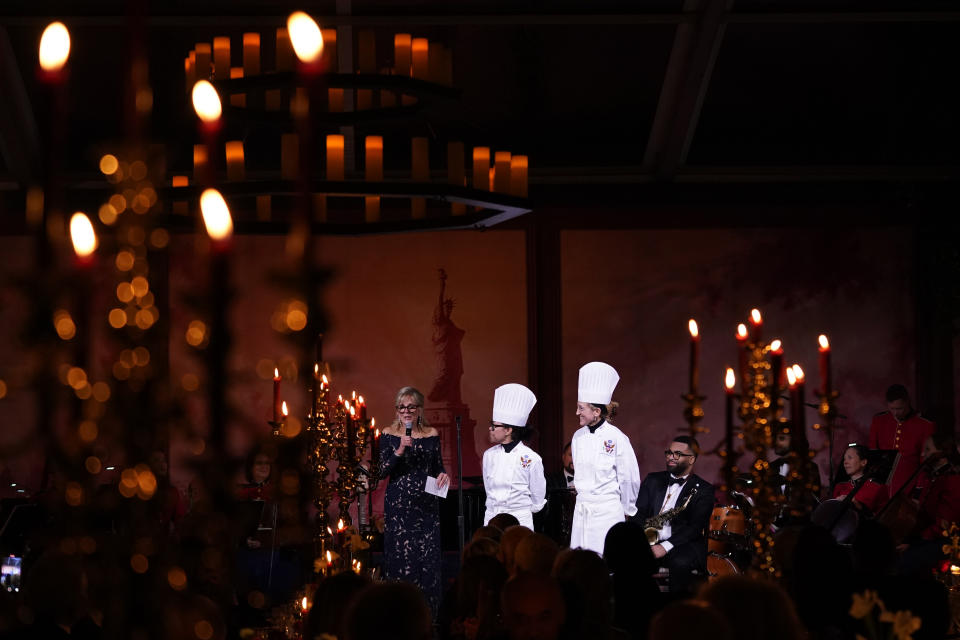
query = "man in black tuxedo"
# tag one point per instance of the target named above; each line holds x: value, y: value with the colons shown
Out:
x: 681, y: 545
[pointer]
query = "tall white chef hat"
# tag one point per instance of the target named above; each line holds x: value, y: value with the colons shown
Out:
x: 512, y: 404
x: 597, y: 382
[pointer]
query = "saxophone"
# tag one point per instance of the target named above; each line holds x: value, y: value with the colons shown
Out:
x: 653, y: 524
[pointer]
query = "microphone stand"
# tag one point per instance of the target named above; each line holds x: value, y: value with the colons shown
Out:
x: 460, y: 532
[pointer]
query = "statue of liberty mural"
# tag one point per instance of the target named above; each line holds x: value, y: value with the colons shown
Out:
x: 446, y: 345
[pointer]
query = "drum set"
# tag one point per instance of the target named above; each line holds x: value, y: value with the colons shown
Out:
x: 728, y: 541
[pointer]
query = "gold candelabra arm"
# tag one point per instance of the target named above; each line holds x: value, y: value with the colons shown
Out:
x: 693, y: 413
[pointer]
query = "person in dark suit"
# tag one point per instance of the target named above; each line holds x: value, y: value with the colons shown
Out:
x: 555, y: 520
x: 681, y: 544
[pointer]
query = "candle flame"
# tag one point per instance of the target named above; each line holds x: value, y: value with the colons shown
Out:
x: 54, y: 47
x: 824, y: 343
x: 791, y: 377
x: 798, y: 372
x: 283, y: 408
x: 276, y: 373
x: 216, y: 215
x: 692, y: 325
x: 305, y: 36
x: 376, y: 433
x: 360, y: 399
x: 741, y: 331
x: 776, y: 345
x: 82, y: 234
x: 353, y: 396
x: 324, y: 378
x: 206, y: 101
x: 340, y: 525
x: 373, y: 422
x: 303, y: 603
x: 730, y: 379
x: 316, y: 369
x: 346, y: 405
x: 339, y: 398
x: 329, y: 557
x: 329, y: 530
x: 353, y: 412
x: 755, y: 316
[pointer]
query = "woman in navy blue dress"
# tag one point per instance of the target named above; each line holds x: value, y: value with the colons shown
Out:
x: 411, y: 537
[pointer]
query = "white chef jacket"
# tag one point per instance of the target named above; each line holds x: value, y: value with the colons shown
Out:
x: 607, y: 480
x: 514, y: 482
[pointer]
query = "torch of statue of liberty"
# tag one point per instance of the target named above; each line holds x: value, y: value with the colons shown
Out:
x: 446, y: 346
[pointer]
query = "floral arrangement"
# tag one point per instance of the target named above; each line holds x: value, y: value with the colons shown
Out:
x: 902, y: 624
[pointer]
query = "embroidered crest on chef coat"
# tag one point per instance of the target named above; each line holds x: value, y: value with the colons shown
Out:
x: 525, y: 461
x: 609, y: 446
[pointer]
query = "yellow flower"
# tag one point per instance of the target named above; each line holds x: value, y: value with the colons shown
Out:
x: 904, y: 624
x: 863, y: 604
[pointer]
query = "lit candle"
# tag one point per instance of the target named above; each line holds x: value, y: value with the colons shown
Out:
x: 54, y: 52
x: 341, y: 533
x: 501, y: 179
x: 402, y: 43
x: 335, y: 157
x: 235, y: 162
x: 202, y: 70
x: 729, y: 381
x: 251, y: 54
x: 84, y: 239
x: 375, y: 452
x: 694, y: 356
x: 800, y: 419
x: 481, y: 168
x: 756, y: 323
x: 221, y: 57
x: 742, y: 354
x: 792, y: 384
x: 317, y: 387
x: 277, y: 407
x: 826, y: 381
x: 420, y: 54
x: 518, y: 176
x: 776, y: 367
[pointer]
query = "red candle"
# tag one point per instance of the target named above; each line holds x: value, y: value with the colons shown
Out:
x: 776, y: 366
x: 826, y: 381
x: 375, y: 450
x: 756, y: 323
x: 694, y: 356
x: 742, y: 355
x: 277, y: 406
x: 800, y: 420
x: 730, y: 380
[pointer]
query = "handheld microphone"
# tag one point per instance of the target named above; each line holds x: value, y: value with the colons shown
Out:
x: 409, y: 428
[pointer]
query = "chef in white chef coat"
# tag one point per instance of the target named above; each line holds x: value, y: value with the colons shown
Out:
x: 512, y: 471
x: 608, y: 478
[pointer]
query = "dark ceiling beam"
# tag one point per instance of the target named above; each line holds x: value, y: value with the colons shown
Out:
x: 19, y: 136
x: 687, y: 76
x: 20, y: 18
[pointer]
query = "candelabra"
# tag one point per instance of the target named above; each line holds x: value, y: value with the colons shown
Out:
x: 759, y: 410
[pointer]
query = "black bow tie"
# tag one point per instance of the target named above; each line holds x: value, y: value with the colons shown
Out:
x: 672, y: 480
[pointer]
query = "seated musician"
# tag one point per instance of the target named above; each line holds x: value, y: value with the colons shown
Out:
x: 872, y: 495
x: 937, y: 493
x: 795, y: 475
x: 681, y: 542
x: 257, y: 469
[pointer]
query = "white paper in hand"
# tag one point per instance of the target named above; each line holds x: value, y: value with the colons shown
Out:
x: 432, y: 487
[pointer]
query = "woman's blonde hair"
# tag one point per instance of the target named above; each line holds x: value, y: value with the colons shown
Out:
x: 414, y: 393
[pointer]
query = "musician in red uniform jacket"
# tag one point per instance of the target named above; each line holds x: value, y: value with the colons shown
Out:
x: 872, y: 495
x: 938, y: 493
x: 900, y: 428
